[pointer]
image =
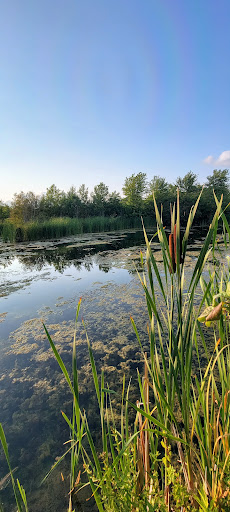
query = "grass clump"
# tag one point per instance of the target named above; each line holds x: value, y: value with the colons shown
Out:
x: 59, y: 227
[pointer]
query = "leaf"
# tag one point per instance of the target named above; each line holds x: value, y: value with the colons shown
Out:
x: 206, y: 312
x: 215, y: 313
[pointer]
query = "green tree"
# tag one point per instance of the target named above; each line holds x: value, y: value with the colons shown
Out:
x: 188, y: 184
x: 219, y: 181
x: 52, y: 202
x: 83, y: 194
x: 114, y: 204
x: 160, y: 187
x: 100, y: 196
x: 24, y: 207
x: 189, y: 190
x: 163, y: 196
x: 134, y: 189
x: 71, y: 204
x: 4, y: 211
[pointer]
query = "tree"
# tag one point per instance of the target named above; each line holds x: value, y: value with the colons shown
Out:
x: 114, y: 204
x: 71, y: 203
x: 100, y: 193
x: 100, y: 196
x: 162, y: 194
x: 24, y: 207
x: 4, y: 211
x: 134, y: 189
x: 219, y: 181
x: 188, y: 183
x: 160, y: 187
x: 189, y: 190
x: 83, y: 194
x: 52, y: 202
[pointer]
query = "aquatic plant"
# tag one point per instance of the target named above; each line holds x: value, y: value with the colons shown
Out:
x: 192, y: 401
x: 8, y: 231
x: 59, y: 227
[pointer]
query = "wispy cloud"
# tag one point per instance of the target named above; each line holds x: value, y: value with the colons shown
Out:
x: 223, y: 159
x: 209, y: 160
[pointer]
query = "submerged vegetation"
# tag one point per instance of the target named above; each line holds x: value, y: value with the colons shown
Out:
x: 175, y: 456
x: 57, y: 213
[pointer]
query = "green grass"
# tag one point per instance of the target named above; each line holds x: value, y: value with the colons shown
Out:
x: 64, y: 226
x: 176, y: 455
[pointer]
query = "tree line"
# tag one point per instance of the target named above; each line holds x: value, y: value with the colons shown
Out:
x: 136, y: 200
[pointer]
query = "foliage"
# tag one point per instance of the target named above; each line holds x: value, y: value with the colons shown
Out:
x: 24, y: 207
x: 134, y: 189
x: 64, y: 226
x: 137, y: 200
x: 100, y: 193
x: 192, y: 406
x: 83, y: 194
x: 219, y: 181
x: 160, y: 187
x: 188, y: 183
x: 19, y: 492
x: 4, y: 211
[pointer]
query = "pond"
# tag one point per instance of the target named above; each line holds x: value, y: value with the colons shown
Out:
x: 42, y: 282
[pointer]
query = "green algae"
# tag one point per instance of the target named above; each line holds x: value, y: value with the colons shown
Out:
x: 3, y: 316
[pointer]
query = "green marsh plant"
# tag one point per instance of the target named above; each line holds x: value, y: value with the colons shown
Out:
x: 19, y: 491
x: 192, y: 401
x: 59, y: 227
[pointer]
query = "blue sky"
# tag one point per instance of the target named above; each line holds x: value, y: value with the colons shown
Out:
x: 95, y: 90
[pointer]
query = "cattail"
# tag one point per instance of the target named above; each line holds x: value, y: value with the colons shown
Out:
x: 175, y: 246
x: 171, y: 251
x: 175, y: 243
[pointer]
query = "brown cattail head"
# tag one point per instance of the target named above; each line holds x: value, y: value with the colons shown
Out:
x: 171, y: 251
x: 175, y: 246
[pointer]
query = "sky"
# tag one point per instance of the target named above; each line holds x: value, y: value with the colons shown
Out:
x: 96, y: 90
